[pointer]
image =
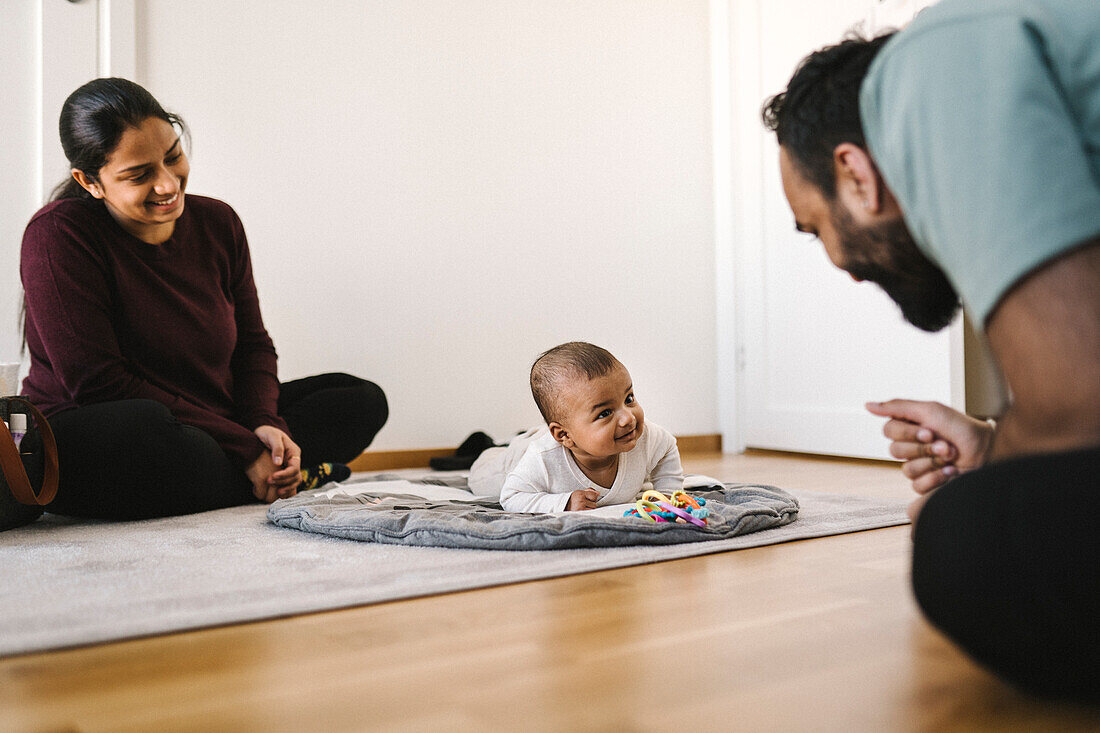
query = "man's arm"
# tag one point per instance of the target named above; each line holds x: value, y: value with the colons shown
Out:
x: 1045, y: 334
x: 936, y: 442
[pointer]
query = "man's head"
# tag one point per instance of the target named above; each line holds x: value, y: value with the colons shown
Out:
x: 587, y: 399
x: 834, y: 187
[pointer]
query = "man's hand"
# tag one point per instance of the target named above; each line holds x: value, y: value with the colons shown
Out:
x: 275, y: 475
x: 936, y: 442
x: 582, y: 499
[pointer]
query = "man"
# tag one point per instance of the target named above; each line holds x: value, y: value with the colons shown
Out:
x: 961, y: 157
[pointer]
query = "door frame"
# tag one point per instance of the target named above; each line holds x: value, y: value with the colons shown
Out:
x: 737, y: 94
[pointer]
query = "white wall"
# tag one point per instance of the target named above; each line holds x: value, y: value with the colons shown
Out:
x: 46, y: 50
x: 19, y: 32
x: 436, y: 191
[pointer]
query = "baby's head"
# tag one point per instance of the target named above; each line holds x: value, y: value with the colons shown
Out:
x: 587, y: 399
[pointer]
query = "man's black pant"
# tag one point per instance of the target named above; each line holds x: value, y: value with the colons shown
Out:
x: 1006, y: 562
x: 132, y: 459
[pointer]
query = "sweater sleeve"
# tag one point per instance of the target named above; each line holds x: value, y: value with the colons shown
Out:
x: 255, y: 374
x: 69, y: 305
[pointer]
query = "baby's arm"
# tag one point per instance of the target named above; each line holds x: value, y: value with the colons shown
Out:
x: 531, y: 486
x: 582, y: 499
x: 667, y: 473
x: 527, y: 487
x: 519, y: 496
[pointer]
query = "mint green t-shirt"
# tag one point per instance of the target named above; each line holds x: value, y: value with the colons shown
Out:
x: 983, y: 117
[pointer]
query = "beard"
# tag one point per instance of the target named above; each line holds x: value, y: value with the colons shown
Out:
x: 887, y: 255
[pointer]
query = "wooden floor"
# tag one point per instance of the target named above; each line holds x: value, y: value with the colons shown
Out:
x: 818, y: 635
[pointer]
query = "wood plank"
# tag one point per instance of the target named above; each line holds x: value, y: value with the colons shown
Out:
x: 812, y: 635
x: 692, y: 444
x: 387, y: 460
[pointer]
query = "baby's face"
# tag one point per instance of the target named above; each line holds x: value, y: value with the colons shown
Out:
x: 601, y: 416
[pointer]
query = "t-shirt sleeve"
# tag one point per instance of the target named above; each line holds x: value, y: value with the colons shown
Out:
x: 974, y: 135
x: 527, y: 486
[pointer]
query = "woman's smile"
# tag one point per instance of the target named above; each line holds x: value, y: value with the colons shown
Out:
x: 143, y: 181
x: 165, y: 205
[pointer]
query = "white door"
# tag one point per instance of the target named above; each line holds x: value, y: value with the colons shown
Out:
x: 815, y: 346
x: 47, y: 49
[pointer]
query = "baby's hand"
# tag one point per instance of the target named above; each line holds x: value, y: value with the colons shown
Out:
x: 582, y: 499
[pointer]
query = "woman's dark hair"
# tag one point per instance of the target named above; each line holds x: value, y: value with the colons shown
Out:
x: 93, y: 119
x: 820, y: 107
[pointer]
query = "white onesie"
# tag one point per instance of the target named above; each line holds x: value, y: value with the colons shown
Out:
x: 547, y: 473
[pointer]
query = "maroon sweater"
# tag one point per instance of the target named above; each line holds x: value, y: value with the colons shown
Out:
x: 110, y: 317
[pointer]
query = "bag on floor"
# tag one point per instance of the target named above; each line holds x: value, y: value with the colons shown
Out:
x: 28, y: 481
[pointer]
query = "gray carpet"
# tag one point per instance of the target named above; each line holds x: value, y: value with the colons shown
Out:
x: 74, y: 582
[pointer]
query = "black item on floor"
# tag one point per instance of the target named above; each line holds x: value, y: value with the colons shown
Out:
x: 465, y: 455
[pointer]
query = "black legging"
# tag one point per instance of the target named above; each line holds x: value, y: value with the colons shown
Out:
x: 1006, y: 562
x: 132, y: 459
x: 332, y: 417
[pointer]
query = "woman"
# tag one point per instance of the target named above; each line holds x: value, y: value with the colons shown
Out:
x: 148, y: 352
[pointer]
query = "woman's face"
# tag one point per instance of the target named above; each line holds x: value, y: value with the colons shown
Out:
x: 143, y: 180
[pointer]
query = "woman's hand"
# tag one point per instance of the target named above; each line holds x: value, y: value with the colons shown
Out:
x: 936, y: 442
x: 276, y: 474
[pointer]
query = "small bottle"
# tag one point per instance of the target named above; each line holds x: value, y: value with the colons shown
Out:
x: 18, y: 427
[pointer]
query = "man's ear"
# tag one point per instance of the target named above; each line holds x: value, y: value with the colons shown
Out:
x: 857, y: 178
x: 560, y: 434
x: 89, y: 185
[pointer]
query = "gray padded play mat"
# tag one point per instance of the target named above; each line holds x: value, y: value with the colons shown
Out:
x: 441, y: 513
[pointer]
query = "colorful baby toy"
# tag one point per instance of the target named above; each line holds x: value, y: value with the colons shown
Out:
x: 656, y: 507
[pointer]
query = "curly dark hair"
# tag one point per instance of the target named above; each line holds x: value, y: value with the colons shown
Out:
x: 820, y: 107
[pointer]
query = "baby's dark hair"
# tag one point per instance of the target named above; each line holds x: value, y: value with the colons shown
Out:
x: 556, y: 367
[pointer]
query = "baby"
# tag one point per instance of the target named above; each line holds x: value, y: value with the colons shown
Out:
x: 597, y: 448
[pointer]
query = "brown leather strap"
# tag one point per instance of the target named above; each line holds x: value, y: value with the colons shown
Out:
x: 14, y: 472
